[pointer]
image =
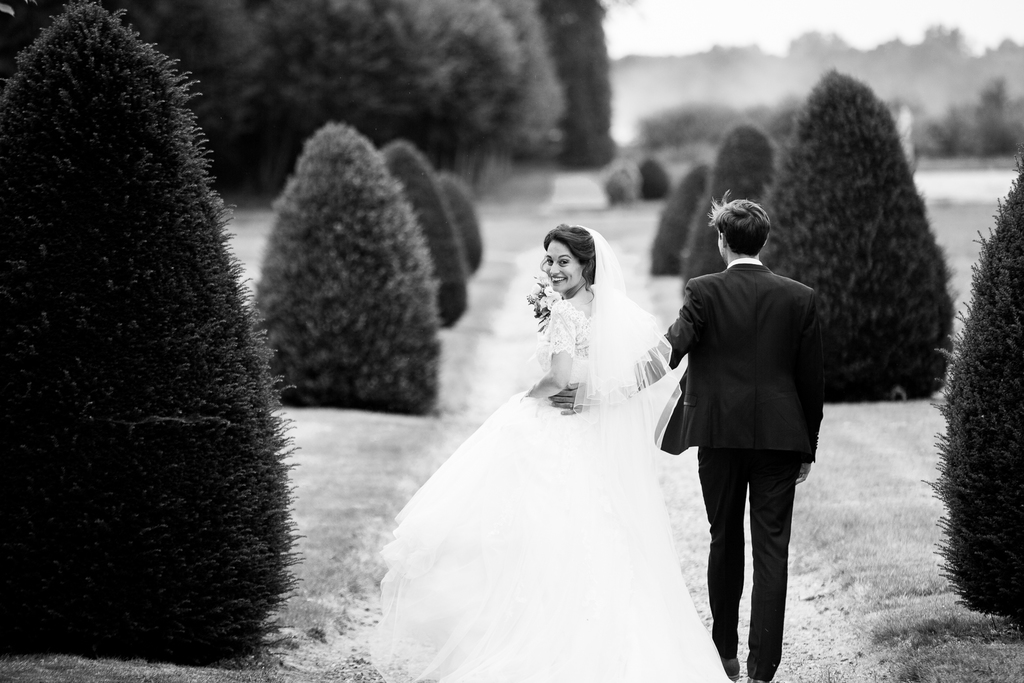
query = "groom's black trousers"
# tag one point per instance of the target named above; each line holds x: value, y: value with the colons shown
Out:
x: 725, y: 475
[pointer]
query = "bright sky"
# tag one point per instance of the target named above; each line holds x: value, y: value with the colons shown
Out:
x: 679, y: 27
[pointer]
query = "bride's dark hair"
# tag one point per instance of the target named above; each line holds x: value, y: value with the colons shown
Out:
x: 580, y: 244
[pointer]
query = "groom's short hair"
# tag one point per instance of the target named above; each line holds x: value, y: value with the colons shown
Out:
x: 744, y: 224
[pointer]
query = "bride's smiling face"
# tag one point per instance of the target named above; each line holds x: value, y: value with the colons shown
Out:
x: 562, y: 267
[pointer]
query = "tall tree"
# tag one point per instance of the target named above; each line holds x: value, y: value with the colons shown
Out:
x: 538, y: 99
x: 444, y: 74
x: 472, y: 62
x: 351, y: 61
x: 576, y: 35
x: 144, y: 495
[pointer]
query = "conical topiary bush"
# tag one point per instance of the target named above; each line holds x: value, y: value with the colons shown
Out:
x: 848, y: 221
x: 744, y: 168
x: 981, y: 478
x: 347, y: 289
x: 622, y: 182
x: 144, y: 495
x: 459, y: 199
x: 419, y: 183
x: 676, y: 219
x: 654, y: 180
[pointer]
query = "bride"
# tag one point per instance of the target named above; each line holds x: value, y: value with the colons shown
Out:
x: 541, y: 549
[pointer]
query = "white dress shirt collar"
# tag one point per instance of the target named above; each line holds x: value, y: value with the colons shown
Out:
x: 746, y: 259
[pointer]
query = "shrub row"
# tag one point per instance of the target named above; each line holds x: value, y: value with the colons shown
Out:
x: 451, y: 76
x: 145, y: 497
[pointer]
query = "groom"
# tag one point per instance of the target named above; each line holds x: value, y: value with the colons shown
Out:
x: 752, y: 404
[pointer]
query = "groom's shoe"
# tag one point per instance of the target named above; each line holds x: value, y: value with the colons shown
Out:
x: 732, y: 668
x: 755, y: 680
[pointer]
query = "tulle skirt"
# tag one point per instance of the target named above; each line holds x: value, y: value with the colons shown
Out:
x: 541, y: 551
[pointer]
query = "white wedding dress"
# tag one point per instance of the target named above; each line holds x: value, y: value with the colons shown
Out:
x: 541, y: 550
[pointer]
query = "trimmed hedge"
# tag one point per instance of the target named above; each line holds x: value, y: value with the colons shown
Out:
x: 848, y: 221
x: 676, y: 219
x: 420, y: 186
x: 744, y: 168
x: 144, y: 495
x: 347, y: 287
x: 654, y: 180
x: 622, y: 182
x: 459, y: 199
x: 981, y: 478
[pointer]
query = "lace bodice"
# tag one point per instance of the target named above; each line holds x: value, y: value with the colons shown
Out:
x: 568, y: 329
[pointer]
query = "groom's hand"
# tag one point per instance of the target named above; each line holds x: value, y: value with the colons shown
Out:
x: 805, y: 469
x: 565, y: 399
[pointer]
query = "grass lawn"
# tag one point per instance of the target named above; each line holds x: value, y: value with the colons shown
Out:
x: 868, y: 518
x: 871, y: 519
x: 865, y: 523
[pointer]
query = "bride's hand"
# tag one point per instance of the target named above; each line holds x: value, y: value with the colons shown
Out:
x: 565, y: 399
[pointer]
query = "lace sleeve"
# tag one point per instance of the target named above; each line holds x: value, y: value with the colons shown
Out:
x: 562, y: 329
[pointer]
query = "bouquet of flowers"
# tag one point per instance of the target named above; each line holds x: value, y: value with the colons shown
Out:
x: 542, y: 297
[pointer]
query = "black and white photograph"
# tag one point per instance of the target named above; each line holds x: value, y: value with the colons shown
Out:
x: 511, y: 341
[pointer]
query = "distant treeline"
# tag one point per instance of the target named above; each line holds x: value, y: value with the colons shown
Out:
x: 962, y: 104
x: 992, y: 126
x: 472, y: 83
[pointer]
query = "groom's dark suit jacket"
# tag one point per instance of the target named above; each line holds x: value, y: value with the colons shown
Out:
x: 754, y: 375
